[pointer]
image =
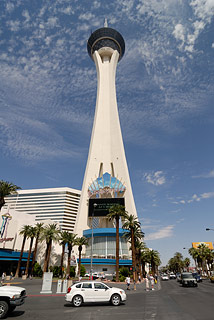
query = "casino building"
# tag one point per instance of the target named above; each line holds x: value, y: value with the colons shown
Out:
x: 106, y: 181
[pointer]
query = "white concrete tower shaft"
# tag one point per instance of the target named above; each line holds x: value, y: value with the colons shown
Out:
x: 106, y: 153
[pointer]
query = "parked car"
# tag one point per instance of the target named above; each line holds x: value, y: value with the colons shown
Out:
x: 93, y: 291
x: 172, y: 276
x: 178, y: 276
x: 10, y: 298
x: 164, y: 277
x: 188, y: 280
x: 197, y: 276
x: 94, y: 275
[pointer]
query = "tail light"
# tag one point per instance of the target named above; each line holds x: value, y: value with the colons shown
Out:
x: 69, y: 289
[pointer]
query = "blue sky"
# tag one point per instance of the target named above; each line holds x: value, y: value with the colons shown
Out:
x: 165, y: 92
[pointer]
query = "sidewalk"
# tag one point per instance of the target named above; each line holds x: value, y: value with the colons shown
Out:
x: 34, y: 286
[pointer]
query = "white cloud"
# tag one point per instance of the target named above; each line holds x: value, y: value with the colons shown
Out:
x: 52, y: 22
x: 165, y: 232
x: 86, y: 16
x: 14, y: 25
x: 207, y: 195
x: 157, y: 178
x: 26, y: 14
x: 203, y: 9
x: 196, y: 198
x: 179, y: 32
x: 206, y: 175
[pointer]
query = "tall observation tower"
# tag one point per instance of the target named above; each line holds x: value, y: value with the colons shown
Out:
x: 106, y: 179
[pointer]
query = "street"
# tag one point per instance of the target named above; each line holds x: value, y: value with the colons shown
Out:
x: 168, y: 301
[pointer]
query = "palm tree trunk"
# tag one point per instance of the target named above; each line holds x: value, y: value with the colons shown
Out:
x: 34, y: 254
x: 69, y: 261
x: 29, y: 254
x: 46, y: 257
x: 62, y: 259
x: 79, y: 264
x: 49, y: 254
x: 20, y: 258
x: 117, y: 249
x: 133, y: 258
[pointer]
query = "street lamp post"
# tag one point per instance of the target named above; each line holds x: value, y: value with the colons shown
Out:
x: 92, y: 240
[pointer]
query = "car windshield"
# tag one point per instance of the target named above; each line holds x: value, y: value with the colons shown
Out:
x: 187, y: 275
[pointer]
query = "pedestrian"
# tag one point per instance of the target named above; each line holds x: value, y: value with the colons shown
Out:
x: 11, y: 275
x: 3, y: 277
x: 152, y: 280
x: 128, y: 282
x: 139, y: 278
x: 147, y: 283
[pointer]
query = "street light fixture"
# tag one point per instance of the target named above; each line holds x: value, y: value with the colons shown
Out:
x: 92, y: 240
x: 208, y: 229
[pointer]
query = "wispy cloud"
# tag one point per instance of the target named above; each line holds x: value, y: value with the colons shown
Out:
x: 157, y: 178
x: 165, y: 232
x: 195, y: 198
x: 205, y: 175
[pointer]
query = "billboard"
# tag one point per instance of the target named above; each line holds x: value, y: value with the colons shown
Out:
x: 103, y: 205
x: 207, y: 244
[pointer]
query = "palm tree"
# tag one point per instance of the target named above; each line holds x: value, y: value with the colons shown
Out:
x: 144, y: 259
x: 203, y: 253
x: 6, y: 188
x: 64, y: 236
x: 134, y: 232
x: 116, y: 212
x: 71, y: 242
x: 187, y: 263
x: 50, y: 234
x: 154, y: 258
x: 24, y: 231
x: 82, y: 241
x: 140, y: 248
x: 31, y: 234
x: 38, y: 230
x: 195, y: 255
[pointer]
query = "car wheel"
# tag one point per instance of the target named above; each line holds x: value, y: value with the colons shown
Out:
x: 77, y: 301
x: 3, y: 309
x: 115, y: 299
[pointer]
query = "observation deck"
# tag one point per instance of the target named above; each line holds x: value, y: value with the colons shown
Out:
x: 106, y: 40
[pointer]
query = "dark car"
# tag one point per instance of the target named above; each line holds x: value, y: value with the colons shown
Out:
x: 197, y: 276
x: 187, y: 280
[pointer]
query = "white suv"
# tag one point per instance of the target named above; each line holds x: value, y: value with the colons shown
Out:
x: 10, y: 297
x: 93, y: 291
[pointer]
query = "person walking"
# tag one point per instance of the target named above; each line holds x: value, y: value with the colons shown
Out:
x: 147, y: 283
x: 128, y: 282
x: 152, y: 280
x: 3, y: 277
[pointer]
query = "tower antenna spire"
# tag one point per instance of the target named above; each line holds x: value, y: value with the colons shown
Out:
x: 106, y: 23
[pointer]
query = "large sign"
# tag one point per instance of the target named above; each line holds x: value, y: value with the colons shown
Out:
x: 207, y: 244
x: 3, y: 231
x: 100, y: 207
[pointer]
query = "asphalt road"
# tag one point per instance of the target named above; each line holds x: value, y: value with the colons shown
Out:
x: 169, y: 301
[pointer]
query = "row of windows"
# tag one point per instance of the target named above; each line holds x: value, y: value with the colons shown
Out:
x: 27, y: 205
x: 58, y: 193
x: 106, y: 246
